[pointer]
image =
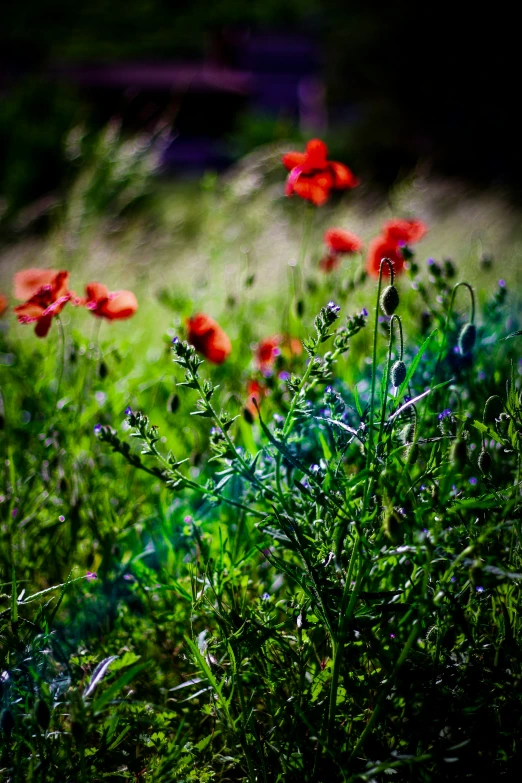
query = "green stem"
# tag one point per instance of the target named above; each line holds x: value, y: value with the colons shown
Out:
x: 62, y: 357
x: 374, y: 377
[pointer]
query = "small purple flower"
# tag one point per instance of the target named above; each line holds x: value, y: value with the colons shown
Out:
x: 175, y: 340
x: 265, y: 597
x: 364, y: 312
x: 61, y: 518
x: 97, y: 429
x: 14, y: 512
x: 188, y: 520
x: 502, y: 283
x: 392, y: 636
x: 284, y: 376
x: 479, y: 589
x: 430, y: 261
x: 473, y: 480
x: 445, y: 413
x: 453, y: 579
x: 91, y: 576
x: 128, y: 410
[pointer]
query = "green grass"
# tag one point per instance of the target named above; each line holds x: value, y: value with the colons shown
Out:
x: 329, y: 593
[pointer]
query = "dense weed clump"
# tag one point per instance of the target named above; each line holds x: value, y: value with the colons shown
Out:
x: 300, y: 567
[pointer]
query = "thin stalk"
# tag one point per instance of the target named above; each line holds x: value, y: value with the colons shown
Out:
x: 374, y: 376
x: 62, y: 357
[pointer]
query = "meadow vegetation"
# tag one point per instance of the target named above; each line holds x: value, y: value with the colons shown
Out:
x: 266, y: 526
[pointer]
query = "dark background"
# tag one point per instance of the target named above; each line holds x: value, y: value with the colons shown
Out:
x: 403, y: 82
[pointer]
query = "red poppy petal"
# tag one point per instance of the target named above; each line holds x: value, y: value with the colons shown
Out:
x: 341, y: 241
x: 343, y: 176
x: 293, y: 159
x: 43, y: 325
x: 29, y: 281
x: 119, y: 305
x: 96, y: 291
x: 329, y: 263
x: 316, y: 154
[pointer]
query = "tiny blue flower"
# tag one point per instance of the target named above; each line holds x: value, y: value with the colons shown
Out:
x: 265, y: 597
x: 502, y: 283
x: 175, y: 340
x: 473, y: 480
x: 128, y: 410
x: 97, y: 429
x: 445, y: 413
x: 479, y: 589
x: 364, y: 312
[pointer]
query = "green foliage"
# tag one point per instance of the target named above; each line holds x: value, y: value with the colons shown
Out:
x: 326, y: 589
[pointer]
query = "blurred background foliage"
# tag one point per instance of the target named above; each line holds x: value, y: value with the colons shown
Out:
x: 398, y: 89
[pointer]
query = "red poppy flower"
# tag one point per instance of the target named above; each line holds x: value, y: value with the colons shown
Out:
x: 3, y: 304
x: 43, y: 304
x: 257, y: 391
x: 409, y: 231
x: 207, y: 337
x: 112, y: 305
x: 382, y: 247
x: 338, y: 242
x: 312, y: 176
x: 267, y: 352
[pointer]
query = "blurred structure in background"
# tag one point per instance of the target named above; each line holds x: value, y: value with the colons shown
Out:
x: 272, y: 75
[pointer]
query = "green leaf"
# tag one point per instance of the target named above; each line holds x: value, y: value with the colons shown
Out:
x: 116, y: 687
x: 415, y: 363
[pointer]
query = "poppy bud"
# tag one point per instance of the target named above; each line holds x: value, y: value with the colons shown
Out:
x: 173, y: 403
x: 492, y: 409
x: 392, y: 526
x: 300, y: 308
x: 467, y: 337
x: 389, y: 300
x: 484, y: 461
x: 7, y: 722
x: 398, y: 373
x: 103, y: 370
x: 247, y: 415
x: 459, y: 453
x: 42, y: 714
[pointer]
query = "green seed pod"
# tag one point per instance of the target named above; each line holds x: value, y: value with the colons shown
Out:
x: 247, y: 415
x: 398, y: 373
x: 300, y: 308
x: 103, y: 370
x: 392, y: 526
x: 389, y: 300
x: 42, y: 714
x: 484, y: 461
x: 7, y: 722
x: 467, y: 337
x: 492, y: 409
x: 173, y: 403
x: 459, y: 453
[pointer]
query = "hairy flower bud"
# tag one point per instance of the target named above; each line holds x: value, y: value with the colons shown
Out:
x: 484, y: 461
x: 398, y: 373
x: 467, y: 337
x: 389, y: 300
x: 391, y: 525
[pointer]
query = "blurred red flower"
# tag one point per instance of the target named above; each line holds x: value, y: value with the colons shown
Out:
x: 312, y: 176
x: 207, y: 337
x: 339, y: 242
x: 45, y: 299
x: 112, y: 305
x: 380, y: 248
x: 3, y: 304
x: 409, y: 231
x: 395, y: 233
x: 267, y: 352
